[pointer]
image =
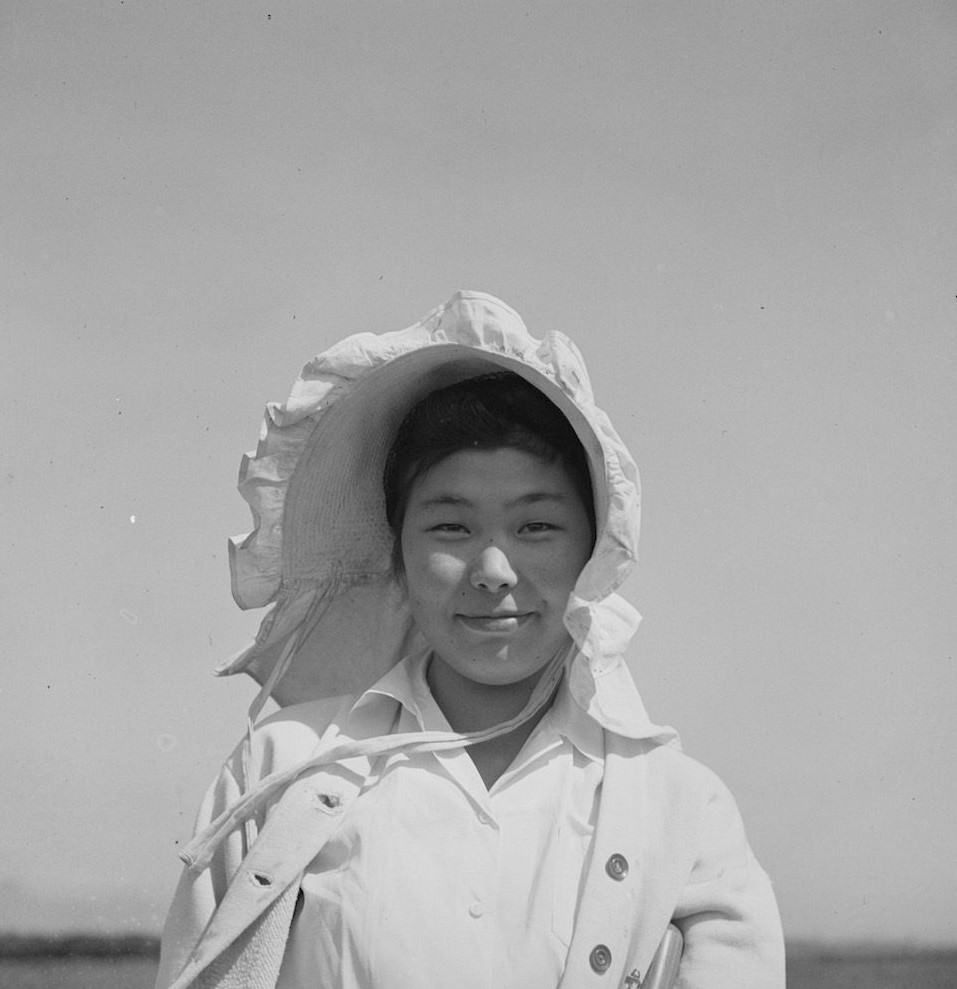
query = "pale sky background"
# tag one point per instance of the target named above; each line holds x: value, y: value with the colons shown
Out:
x: 744, y: 213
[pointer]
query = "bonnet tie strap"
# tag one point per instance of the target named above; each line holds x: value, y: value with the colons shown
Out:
x: 317, y: 609
x: 199, y: 852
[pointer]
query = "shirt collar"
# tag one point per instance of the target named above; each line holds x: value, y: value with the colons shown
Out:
x: 406, y: 684
x: 567, y: 719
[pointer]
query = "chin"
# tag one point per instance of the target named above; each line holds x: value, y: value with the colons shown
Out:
x: 501, y: 673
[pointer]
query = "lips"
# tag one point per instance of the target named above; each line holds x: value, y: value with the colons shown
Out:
x: 497, y: 623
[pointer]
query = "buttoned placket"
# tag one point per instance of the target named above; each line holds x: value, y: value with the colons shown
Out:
x: 484, y: 871
x: 481, y: 877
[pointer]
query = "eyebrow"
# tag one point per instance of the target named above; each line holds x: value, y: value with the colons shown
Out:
x: 532, y: 498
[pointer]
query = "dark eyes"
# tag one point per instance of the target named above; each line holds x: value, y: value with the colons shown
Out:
x: 528, y: 528
x: 537, y: 527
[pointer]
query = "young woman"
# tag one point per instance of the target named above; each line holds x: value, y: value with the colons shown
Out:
x: 462, y: 785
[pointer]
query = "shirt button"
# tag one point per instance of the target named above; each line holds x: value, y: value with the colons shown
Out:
x: 476, y: 910
x: 483, y: 818
x: 617, y: 867
x: 600, y: 958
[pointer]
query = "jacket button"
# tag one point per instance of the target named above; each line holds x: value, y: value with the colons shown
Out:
x: 617, y: 867
x: 600, y: 958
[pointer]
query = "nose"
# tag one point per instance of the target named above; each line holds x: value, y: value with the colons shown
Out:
x: 492, y: 571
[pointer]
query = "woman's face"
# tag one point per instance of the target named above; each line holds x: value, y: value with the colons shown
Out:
x: 492, y: 543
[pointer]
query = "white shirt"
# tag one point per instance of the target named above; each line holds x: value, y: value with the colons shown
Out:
x: 433, y: 881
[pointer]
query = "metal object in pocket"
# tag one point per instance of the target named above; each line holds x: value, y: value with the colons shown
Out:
x: 664, y: 966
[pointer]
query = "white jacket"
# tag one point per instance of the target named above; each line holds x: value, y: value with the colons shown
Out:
x: 671, y: 819
x: 321, y: 555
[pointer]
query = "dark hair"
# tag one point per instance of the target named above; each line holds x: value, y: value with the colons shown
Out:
x: 487, y: 412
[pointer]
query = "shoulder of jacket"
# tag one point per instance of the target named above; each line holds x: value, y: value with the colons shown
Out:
x: 674, y: 769
x: 293, y: 733
x: 314, y: 715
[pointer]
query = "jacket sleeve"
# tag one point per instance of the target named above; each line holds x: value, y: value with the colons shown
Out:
x: 280, y: 741
x: 727, y: 911
x: 198, y: 894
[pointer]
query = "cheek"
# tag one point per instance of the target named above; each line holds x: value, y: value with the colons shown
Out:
x: 558, y: 573
x: 574, y: 566
x: 433, y: 574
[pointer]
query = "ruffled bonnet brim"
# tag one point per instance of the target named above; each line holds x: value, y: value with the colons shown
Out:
x: 320, y: 551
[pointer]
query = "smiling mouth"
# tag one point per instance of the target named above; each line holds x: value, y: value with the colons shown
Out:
x: 495, y: 623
